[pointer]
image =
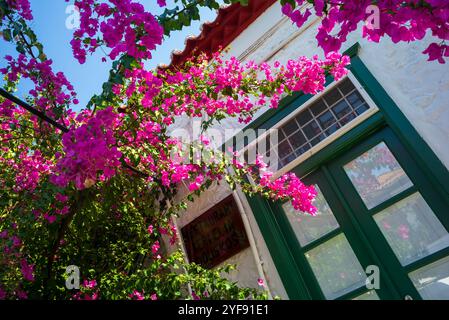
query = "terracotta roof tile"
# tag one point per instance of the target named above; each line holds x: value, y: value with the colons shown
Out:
x: 230, y: 22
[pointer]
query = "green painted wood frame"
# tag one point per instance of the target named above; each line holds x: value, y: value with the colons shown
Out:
x: 389, y: 115
x: 362, y: 215
x: 356, y: 238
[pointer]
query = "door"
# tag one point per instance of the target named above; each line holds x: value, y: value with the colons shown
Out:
x: 379, y: 217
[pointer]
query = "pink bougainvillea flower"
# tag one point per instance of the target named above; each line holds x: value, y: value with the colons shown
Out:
x: 2, y: 294
x: 136, y: 295
x: 437, y: 52
x: 89, y: 284
x: 155, y: 247
x: 61, y: 198
x: 400, y: 20
x: 195, y: 296
x: 27, y: 270
x: 196, y: 185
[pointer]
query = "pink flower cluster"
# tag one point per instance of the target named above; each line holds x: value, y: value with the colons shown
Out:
x: 29, y: 170
x: 437, y: 52
x: 155, y: 248
x: 171, y: 231
x: 122, y: 25
x: 12, y: 259
x: 88, y: 291
x: 137, y: 295
x: 22, y: 7
x: 27, y: 270
x: 309, y: 75
x: 49, y: 89
x: 215, y: 89
x: 28, y: 165
x: 58, y: 208
x: 302, y: 74
x: 177, y: 173
x: 401, y: 20
x: 288, y: 186
x: 90, y: 152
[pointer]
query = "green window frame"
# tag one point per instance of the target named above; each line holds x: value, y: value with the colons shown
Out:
x: 297, y: 283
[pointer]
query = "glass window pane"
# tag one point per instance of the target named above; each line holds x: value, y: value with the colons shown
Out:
x: 309, y: 228
x: 303, y: 149
x: 370, y: 295
x: 346, y: 86
x: 432, y: 281
x: 361, y: 109
x: 318, y: 139
x: 355, y: 99
x: 284, y: 149
x: 332, y: 129
x: 304, y: 117
x: 312, y: 130
x: 326, y: 120
x: 341, y: 109
x: 281, y: 135
x: 289, y: 158
x: 283, y: 163
x: 377, y: 176
x: 290, y: 127
x: 332, y: 97
x: 297, y: 140
x: 318, y: 107
x: 412, y: 229
x: 336, y: 267
x: 347, y: 119
x: 321, y: 119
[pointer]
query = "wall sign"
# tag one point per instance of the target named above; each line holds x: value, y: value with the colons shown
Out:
x: 216, y: 235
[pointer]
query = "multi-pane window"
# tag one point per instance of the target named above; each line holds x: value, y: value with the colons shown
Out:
x: 335, y: 109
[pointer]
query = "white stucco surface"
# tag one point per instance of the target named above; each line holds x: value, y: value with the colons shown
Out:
x: 419, y: 88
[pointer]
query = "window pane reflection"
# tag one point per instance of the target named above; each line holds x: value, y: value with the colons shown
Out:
x: 309, y: 228
x: 377, y: 176
x: 412, y: 229
x: 336, y: 267
x: 432, y: 281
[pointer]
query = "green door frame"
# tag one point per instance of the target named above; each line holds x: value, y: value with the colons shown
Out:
x: 389, y: 115
x: 347, y: 226
x: 364, y: 216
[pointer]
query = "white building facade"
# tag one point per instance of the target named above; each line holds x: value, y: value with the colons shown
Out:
x: 375, y: 145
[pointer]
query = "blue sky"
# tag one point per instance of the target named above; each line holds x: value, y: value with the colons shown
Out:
x: 50, y: 26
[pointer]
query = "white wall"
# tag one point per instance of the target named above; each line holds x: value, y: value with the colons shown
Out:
x: 247, y: 272
x: 418, y: 87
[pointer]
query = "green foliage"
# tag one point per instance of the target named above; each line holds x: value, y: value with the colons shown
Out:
x: 174, y: 279
x: 105, y: 228
x: 105, y: 235
x: 186, y: 11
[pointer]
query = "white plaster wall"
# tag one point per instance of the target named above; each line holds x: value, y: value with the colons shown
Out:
x: 247, y: 272
x: 418, y: 87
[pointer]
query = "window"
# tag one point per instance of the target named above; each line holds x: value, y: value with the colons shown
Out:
x: 216, y: 235
x: 338, y: 107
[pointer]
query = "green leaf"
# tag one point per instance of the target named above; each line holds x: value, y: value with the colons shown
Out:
x: 7, y: 34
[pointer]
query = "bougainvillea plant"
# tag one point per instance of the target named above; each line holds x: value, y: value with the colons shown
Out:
x: 401, y: 21
x: 95, y: 189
